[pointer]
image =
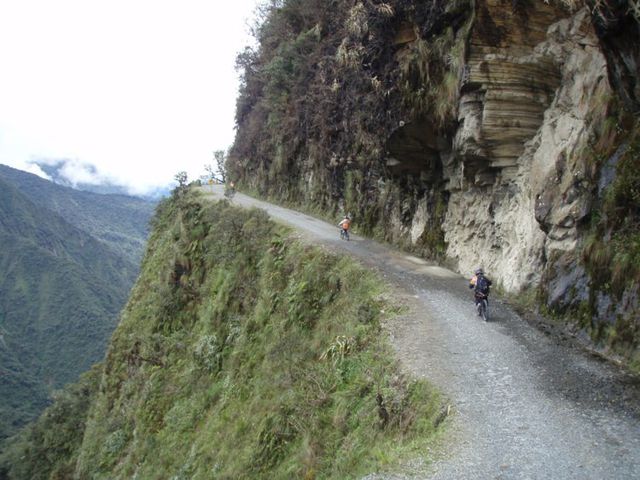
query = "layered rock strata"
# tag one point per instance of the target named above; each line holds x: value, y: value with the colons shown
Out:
x: 519, y: 186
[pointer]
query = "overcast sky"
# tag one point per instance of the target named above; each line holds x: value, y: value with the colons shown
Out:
x: 141, y: 89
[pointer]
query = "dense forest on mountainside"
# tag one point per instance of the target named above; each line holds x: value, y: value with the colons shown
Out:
x: 120, y: 221
x: 489, y: 132
x: 241, y: 353
x: 60, y: 292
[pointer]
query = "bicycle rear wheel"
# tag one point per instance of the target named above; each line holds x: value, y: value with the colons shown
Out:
x: 483, y: 310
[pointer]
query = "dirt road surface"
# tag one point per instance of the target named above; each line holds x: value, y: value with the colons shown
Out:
x: 525, y: 405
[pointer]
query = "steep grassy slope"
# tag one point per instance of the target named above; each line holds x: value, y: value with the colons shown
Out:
x: 120, y: 221
x: 241, y: 354
x: 60, y: 293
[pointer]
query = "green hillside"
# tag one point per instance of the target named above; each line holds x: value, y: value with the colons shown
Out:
x: 240, y: 354
x: 118, y: 220
x: 60, y: 294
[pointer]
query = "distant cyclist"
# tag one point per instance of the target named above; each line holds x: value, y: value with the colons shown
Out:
x: 481, y: 286
x: 230, y: 190
x: 344, y: 226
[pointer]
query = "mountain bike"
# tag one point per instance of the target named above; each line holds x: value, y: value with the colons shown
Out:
x: 482, y: 304
x: 229, y: 193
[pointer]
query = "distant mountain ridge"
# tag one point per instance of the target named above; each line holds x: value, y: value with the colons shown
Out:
x: 68, y: 260
x: 118, y: 220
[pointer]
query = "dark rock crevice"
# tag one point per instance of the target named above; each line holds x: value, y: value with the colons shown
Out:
x: 416, y: 149
x: 619, y: 33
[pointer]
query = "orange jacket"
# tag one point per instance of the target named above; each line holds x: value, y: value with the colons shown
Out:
x: 345, y: 224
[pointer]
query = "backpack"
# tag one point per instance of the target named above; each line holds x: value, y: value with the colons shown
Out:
x: 482, y: 285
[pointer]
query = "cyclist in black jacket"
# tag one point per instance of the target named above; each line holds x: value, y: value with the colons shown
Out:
x: 481, y: 286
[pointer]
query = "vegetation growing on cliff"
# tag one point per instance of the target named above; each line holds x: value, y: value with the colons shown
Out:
x: 605, y: 278
x: 326, y: 90
x: 242, y: 353
x: 611, y: 253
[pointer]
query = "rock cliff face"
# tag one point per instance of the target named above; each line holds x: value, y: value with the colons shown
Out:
x: 477, y: 131
x: 519, y: 187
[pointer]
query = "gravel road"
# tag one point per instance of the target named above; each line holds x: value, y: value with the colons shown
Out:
x: 526, y: 405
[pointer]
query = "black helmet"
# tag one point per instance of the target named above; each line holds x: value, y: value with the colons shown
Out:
x: 479, y: 271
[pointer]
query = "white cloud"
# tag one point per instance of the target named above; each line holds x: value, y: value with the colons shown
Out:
x: 36, y: 170
x: 74, y: 171
x: 140, y: 89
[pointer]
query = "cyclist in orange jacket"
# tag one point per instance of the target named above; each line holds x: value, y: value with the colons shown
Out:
x: 344, y: 227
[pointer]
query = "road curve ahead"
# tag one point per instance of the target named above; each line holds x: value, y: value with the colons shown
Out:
x: 526, y: 406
